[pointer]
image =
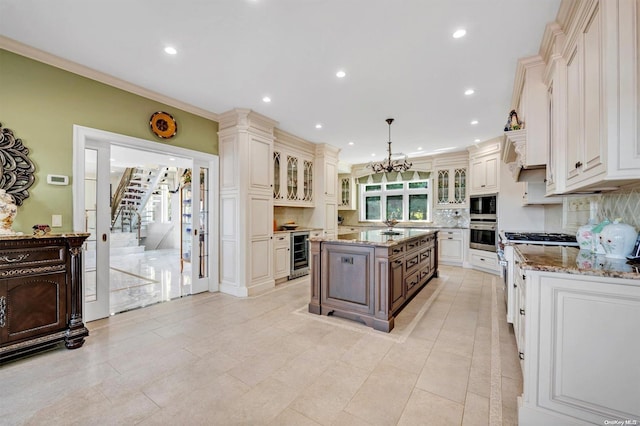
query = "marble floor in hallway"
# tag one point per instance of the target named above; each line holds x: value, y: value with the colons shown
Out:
x: 141, y: 279
x: 214, y: 359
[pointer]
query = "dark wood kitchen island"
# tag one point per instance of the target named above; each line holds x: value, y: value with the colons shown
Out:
x: 369, y: 276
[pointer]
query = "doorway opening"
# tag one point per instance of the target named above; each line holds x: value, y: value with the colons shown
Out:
x: 152, y: 224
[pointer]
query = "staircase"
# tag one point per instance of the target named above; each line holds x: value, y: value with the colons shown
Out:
x: 135, y: 192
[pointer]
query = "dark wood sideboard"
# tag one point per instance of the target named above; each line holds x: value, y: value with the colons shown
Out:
x: 40, y: 293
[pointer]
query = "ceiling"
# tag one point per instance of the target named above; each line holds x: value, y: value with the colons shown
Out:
x: 399, y: 57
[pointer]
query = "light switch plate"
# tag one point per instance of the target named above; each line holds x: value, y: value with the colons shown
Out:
x: 56, y: 220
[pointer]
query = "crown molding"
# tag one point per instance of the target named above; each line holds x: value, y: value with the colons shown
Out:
x: 64, y: 64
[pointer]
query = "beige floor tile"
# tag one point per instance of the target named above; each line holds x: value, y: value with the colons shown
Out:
x: 323, y: 400
x: 445, y: 374
x: 367, y: 352
x: 379, y: 407
x: 409, y: 355
x: 347, y: 419
x: 476, y: 410
x: 424, y: 408
x: 292, y: 418
x: 455, y: 343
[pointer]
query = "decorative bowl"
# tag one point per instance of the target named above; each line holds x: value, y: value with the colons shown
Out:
x: 390, y: 222
x: 290, y: 226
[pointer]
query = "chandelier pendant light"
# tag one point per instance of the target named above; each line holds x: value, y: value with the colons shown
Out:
x: 390, y: 165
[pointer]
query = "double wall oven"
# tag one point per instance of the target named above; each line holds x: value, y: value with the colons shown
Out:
x: 483, y: 214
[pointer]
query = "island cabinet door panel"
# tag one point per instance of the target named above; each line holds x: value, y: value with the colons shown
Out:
x: 396, y: 282
x: 32, y: 306
x: 348, y: 278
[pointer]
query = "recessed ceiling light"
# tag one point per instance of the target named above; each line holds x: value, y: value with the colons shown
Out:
x: 419, y: 148
x: 170, y: 50
x: 341, y: 74
x: 474, y: 122
x: 469, y: 92
x: 172, y: 159
x: 318, y: 126
x: 373, y: 155
x: 476, y: 140
x: 351, y: 143
x: 112, y: 159
x: 459, y: 33
x: 266, y: 99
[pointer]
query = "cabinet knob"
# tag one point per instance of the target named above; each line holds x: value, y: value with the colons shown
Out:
x: 482, y: 186
x: 521, y: 311
x: 521, y: 355
x: 578, y: 164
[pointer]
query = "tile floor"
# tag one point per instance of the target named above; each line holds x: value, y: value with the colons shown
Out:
x: 220, y: 360
x: 142, y: 279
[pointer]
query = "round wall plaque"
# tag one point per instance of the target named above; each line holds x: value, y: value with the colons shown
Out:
x: 163, y: 125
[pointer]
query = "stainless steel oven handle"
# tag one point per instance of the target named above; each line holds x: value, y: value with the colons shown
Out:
x: 483, y: 226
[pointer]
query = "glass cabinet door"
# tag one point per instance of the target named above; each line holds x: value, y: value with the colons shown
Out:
x: 292, y: 178
x: 277, y: 192
x: 460, y: 185
x: 308, y: 180
x: 345, y: 191
x: 443, y: 186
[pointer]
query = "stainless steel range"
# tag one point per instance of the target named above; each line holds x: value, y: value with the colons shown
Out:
x: 506, y: 257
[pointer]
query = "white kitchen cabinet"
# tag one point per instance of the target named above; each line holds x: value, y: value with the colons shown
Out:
x: 451, y: 246
x: 581, y: 359
x: 519, y: 302
x: 281, y: 255
x: 484, y: 165
x: 485, y: 174
x: 246, y: 202
x: 293, y: 179
x: 451, y: 180
x: 598, y: 118
x: 347, y: 199
x: 325, y: 215
x: 484, y: 260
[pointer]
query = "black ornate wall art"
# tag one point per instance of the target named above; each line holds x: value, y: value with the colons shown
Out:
x: 16, y: 170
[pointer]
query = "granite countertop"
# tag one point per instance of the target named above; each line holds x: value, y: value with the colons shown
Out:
x: 376, y: 237
x: 570, y: 260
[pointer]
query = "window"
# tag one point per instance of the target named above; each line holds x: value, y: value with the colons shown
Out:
x: 403, y: 201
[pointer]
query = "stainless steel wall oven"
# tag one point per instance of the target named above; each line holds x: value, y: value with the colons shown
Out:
x: 483, y: 212
x: 483, y: 236
x: 299, y: 254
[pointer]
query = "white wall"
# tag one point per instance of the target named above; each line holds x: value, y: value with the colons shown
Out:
x: 512, y: 215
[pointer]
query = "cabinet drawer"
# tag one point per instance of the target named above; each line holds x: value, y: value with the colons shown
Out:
x: 29, y: 257
x: 488, y: 260
x: 396, y: 250
x: 411, y: 263
x: 281, y: 241
x: 412, y: 281
x: 413, y: 244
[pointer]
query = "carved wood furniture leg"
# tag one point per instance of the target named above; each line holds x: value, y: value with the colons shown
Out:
x: 77, y: 331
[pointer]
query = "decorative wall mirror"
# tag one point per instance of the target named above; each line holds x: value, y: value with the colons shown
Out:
x: 16, y: 170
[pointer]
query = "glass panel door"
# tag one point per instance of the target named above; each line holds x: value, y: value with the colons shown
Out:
x: 201, y: 236
x: 96, y: 223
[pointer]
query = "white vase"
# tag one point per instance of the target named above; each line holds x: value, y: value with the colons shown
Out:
x: 618, y: 239
x: 8, y: 211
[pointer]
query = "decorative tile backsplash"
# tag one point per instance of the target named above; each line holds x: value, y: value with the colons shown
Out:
x: 623, y: 204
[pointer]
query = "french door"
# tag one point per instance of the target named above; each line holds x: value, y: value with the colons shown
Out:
x: 92, y: 214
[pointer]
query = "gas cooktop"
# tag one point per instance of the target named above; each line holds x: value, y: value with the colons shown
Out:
x: 547, y: 238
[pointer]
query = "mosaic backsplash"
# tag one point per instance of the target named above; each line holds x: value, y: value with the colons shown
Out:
x: 624, y: 204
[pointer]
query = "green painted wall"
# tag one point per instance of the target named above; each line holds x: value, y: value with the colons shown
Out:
x: 41, y: 103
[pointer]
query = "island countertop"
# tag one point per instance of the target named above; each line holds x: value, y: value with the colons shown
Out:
x: 570, y: 260
x: 378, y: 237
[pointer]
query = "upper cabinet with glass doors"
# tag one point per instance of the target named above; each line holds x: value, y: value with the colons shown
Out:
x: 292, y: 173
x: 347, y: 192
x: 450, y: 180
